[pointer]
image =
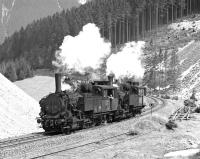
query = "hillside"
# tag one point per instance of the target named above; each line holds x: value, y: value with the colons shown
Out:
x: 167, y: 58
x: 182, y: 38
x: 17, y: 13
x: 190, y: 69
x: 170, y: 38
x: 119, y: 22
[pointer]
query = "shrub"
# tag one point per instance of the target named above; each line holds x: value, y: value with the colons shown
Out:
x: 165, y: 96
x: 3, y: 68
x: 197, y: 110
x: 175, y: 98
x: 171, y: 125
x: 11, y: 71
x: 23, y: 69
x: 16, y: 70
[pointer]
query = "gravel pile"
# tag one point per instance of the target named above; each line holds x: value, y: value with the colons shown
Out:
x: 17, y: 110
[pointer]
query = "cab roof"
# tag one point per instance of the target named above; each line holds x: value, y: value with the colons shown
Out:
x: 105, y: 86
x: 141, y: 87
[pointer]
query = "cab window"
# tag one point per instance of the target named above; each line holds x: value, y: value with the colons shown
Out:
x: 105, y: 93
x: 98, y: 91
x: 134, y: 90
x: 110, y: 92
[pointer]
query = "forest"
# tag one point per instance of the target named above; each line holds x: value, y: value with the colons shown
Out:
x: 120, y: 21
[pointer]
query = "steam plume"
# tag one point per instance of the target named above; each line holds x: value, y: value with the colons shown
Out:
x: 127, y: 62
x: 64, y: 85
x: 83, y: 52
x: 86, y: 53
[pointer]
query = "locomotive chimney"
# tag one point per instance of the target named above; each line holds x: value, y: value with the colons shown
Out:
x: 58, y: 82
x: 110, y: 79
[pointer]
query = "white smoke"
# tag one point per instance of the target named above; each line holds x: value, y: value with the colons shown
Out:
x: 86, y: 53
x: 83, y: 52
x: 64, y: 85
x: 127, y: 62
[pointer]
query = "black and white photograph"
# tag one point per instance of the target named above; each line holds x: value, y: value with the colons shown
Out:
x: 99, y: 79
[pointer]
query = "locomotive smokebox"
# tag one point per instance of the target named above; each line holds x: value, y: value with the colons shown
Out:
x: 58, y: 82
x: 110, y: 79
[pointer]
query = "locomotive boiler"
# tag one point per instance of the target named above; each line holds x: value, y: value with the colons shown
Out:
x: 98, y: 102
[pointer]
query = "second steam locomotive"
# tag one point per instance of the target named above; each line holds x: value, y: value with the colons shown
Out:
x: 96, y: 103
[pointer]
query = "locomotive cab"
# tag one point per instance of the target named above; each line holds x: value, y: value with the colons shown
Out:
x: 109, y: 95
x: 102, y: 99
x: 136, y: 98
x: 133, y: 100
x: 138, y: 93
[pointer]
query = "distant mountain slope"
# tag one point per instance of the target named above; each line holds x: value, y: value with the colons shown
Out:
x: 17, y: 13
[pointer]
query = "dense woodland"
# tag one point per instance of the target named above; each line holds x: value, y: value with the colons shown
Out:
x: 119, y: 21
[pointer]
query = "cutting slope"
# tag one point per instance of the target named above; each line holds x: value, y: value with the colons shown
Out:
x: 17, y: 110
x: 189, y: 57
x: 190, y: 67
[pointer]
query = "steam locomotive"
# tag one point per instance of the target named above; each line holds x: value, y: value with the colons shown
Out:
x: 97, y: 103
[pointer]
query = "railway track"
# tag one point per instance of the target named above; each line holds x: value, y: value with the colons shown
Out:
x: 156, y: 101
x: 23, y: 140
x: 40, y: 136
x: 91, y: 146
x: 105, y: 142
x: 182, y: 113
